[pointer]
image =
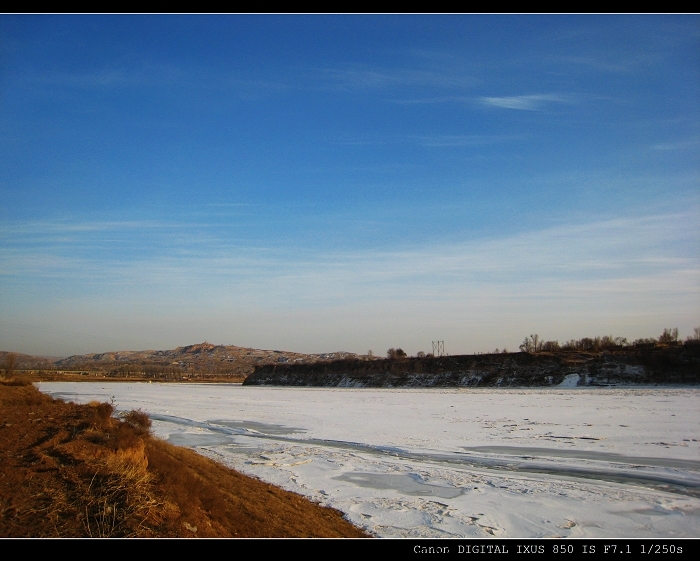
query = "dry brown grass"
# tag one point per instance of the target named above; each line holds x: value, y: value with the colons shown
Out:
x: 121, y: 501
x: 118, y: 500
x: 138, y: 420
x: 76, y: 471
x: 14, y: 381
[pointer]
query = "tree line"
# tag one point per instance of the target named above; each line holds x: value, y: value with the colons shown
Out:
x: 534, y: 343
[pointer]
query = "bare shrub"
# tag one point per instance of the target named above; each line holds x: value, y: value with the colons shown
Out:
x: 645, y: 341
x: 138, y: 419
x: 98, y: 415
x: 550, y: 346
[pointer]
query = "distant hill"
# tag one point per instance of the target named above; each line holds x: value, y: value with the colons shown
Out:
x: 24, y: 362
x: 202, y: 360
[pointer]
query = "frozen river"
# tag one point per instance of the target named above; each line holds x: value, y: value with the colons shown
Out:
x: 570, y: 462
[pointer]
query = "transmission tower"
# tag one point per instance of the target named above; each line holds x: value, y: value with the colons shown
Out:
x: 438, y: 348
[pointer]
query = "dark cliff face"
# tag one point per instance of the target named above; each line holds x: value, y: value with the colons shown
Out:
x: 663, y: 365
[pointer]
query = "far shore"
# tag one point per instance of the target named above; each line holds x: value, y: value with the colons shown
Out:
x: 82, y: 376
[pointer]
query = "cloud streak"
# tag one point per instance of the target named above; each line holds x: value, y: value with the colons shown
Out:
x: 620, y: 248
x: 535, y: 102
x: 693, y: 143
x: 621, y: 275
x: 446, y: 140
x: 370, y: 78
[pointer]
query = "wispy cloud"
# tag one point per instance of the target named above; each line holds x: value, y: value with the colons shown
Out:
x: 434, y: 100
x: 525, y: 102
x: 371, y: 78
x: 620, y: 248
x: 485, y: 291
x: 65, y: 227
x: 146, y: 75
x: 447, y: 140
x: 597, y: 64
x: 693, y: 143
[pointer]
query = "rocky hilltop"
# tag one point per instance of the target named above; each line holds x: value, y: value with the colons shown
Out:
x: 199, y: 361
x: 670, y: 364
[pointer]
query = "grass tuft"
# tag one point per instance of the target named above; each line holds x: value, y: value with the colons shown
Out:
x: 120, y: 501
x: 138, y: 420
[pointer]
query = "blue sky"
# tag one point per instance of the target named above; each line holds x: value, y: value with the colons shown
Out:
x: 319, y: 183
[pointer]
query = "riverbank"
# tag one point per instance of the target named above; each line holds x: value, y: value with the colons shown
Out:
x: 72, y: 470
x: 579, y: 462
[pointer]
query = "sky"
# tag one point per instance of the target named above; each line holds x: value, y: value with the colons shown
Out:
x: 321, y: 183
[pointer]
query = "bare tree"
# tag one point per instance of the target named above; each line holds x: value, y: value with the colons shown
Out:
x: 669, y: 335
x: 395, y: 353
x: 531, y: 344
x: 550, y: 346
x: 10, y: 364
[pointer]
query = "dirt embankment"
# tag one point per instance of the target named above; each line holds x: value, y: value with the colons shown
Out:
x: 75, y: 471
x: 663, y: 365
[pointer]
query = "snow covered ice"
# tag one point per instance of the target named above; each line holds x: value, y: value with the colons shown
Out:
x: 569, y: 462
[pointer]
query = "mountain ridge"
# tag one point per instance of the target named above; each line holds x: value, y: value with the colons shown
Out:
x: 198, y: 360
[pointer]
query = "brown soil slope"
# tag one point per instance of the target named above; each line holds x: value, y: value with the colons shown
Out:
x: 75, y: 471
